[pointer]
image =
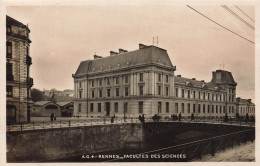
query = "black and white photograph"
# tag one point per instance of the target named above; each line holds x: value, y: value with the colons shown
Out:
x: 128, y: 82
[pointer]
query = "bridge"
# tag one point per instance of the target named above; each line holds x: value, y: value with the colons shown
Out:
x: 75, y: 140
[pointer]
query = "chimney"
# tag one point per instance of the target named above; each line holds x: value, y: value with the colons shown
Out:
x: 249, y: 100
x: 122, y: 50
x: 97, y: 57
x: 141, y: 46
x: 113, y: 53
x: 178, y: 75
x: 193, y: 79
x: 202, y: 81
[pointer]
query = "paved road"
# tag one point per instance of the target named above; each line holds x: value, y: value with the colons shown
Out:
x: 242, y: 153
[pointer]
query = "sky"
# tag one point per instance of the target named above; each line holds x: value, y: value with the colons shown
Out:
x: 63, y: 36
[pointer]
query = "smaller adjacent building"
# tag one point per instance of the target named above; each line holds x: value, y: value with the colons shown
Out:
x: 245, y: 106
x: 46, y: 108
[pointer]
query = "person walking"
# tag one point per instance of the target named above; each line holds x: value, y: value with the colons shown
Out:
x: 52, y: 116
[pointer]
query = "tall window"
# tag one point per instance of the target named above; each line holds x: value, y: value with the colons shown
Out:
x: 182, y: 107
x: 9, y: 71
x: 108, y: 81
x: 79, y: 84
x: 188, y: 107
x: 224, y: 109
x: 208, y: 109
x: 159, y: 77
x: 108, y: 92
x: 204, y: 108
x: 126, y: 79
x: 167, y: 107
x: 194, y: 108
x: 93, y: 93
x: 117, y: 80
x: 141, y: 90
x: 167, y: 91
x: 176, y: 107
x: 167, y: 78
x: 198, y: 108
x: 220, y: 108
x: 189, y: 94
x: 204, y: 95
x: 182, y: 93
x: 9, y: 91
x: 80, y: 94
x: 91, y: 107
x: 92, y: 83
x: 208, y: 96
x: 232, y: 109
x: 199, y: 95
x: 212, y: 110
x: 141, y: 107
x: 125, y: 106
x: 9, y: 49
x: 159, y: 107
x: 100, y: 82
x: 159, y: 90
x: 216, y: 108
x: 116, y: 107
x: 212, y: 96
x: 220, y: 97
x: 126, y: 91
x: 100, y: 93
x: 79, y: 107
x: 141, y: 77
x: 99, y: 107
x: 176, y: 92
x: 229, y: 109
x: 117, y: 92
x: 194, y: 94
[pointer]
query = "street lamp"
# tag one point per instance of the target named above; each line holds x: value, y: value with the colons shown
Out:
x: 124, y: 109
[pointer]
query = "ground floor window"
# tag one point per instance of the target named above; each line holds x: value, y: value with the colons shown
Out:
x: 167, y: 107
x: 99, y: 107
x: 91, y: 107
x: 176, y: 107
x: 116, y: 107
x: 141, y: 107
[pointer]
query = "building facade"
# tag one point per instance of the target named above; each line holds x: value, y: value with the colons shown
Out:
x: 128, y: 84
x: 125, y: 83
x: 245, y: 106
x: 18, y: 80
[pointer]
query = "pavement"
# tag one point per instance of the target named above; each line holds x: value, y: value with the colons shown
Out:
x: 242, y: 153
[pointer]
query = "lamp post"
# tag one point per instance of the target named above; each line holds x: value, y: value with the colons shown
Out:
x: 124, y: 109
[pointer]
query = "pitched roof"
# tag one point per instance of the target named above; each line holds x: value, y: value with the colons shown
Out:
x: 10, y: 20
x: 149, y: 54
x: 63, y: 103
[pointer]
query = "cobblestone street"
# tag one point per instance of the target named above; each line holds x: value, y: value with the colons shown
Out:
x: 242, y: 153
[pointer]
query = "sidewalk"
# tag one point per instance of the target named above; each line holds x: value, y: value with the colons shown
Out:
x: 242, y: 153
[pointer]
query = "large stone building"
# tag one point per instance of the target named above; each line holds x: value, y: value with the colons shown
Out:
x: 143, y: 82
x: 245, y: 106
x: 18, y: 80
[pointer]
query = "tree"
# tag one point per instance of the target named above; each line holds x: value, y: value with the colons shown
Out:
x: 37, y: 95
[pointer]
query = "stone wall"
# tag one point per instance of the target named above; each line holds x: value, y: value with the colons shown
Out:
x: 53, y: 144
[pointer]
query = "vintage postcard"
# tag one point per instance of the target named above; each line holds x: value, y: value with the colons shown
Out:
x: 129, y: 82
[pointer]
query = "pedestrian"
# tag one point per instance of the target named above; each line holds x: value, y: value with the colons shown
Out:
x: 143, y: 118
x: 179, y: 116
x: 52, y: 115
x: 140, y: 118
x: 112, y: 119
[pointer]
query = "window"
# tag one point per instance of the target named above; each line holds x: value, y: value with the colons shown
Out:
x: 92, y: 83
x: 108, y: 92
x: 141, y: 77
x: 224, y: 109
x: 176, y: 92
x: 208, y: 109
x: 229, y: 98
x: 116, y: 107
x: 224, y: 97
x: 91, y: 107
x: 176, y: 107
x: 212, y: 96
x: 79, y: 84
x: 229, y: 109
x: 167, y: 78
x: 100, y: 82
x: 198, y: 108
x: 204, y: 95
x: 80, y: 94
x: 232, y: 109
x: 188, y: 107
x: 126, y: 91
x: 182, y: 107
x: 141, y: 107
x: 167, y: 107
x: 100, y: 93
x: 194, y: 94
x: 220, y: 108
x: 93, y: 93
x: 9, y: 49
x: 220, y: 97
x: 167, y: 91
x: 204, y: 108
x: 159, y: 90
x: 9, y: 72
x: 199, y: 95
x: 208, y: 96
x: 159, y: 107
x: 189, y: 94
x: 117, y: 80
x: 216, y: 97
x: 126, y: 79
x: 216, y: 108
x: 99, y: 107
x: 125, y: 107
x: 9, y: 91
x: 182, y: 93
x: 79, y: 107
x: 141, y: 90
x: 117, y: 92
x: 232, y: 98
x: 212, y: 109
x: 194, y: 108
x: 108, y: 81
x: 159, y: 77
